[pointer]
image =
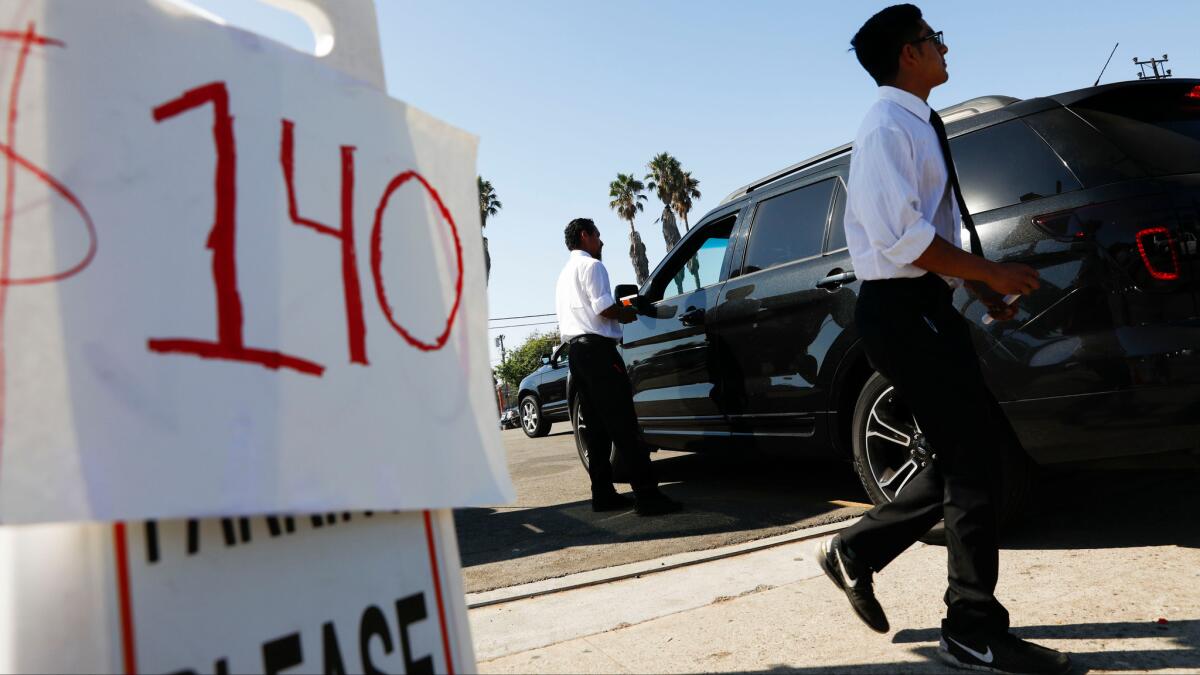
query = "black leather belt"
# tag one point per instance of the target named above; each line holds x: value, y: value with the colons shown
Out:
x: 592, y: 338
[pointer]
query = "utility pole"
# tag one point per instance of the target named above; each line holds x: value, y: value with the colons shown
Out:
x: 1154, y: 67
x: 499, y: 342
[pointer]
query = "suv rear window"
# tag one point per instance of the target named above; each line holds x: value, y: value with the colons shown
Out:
x: 1007, y: 164
x: 1157, y: 125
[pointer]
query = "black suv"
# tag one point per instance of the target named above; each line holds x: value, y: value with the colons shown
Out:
x: 746, y: 338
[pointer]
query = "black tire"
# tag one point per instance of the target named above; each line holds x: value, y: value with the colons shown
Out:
x: 533, y: 422
x: 884, y: 464
x: 579, y: 427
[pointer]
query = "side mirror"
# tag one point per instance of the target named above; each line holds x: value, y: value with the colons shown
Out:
x: 559, y: 352
x: 545, y: 360
x: 628, y: 294
x: 625, y: 290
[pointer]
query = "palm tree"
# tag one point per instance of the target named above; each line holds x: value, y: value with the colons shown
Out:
x: 663, y: 176
x: 686, y: 189
x: 626, y: 192
x: 489, y: 204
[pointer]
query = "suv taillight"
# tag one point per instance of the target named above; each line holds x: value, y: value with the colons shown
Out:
x: 1150, y: 239
x: 1158, y: 251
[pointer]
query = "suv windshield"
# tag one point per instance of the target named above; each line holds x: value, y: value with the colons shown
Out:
x: 1158, y: 125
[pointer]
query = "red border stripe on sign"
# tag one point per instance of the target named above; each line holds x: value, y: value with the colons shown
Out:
x: 128, y: 649
x: 437, y: 590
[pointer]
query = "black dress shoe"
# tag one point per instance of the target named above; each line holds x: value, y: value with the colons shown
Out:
x: 855, y: 580
x: 1001, y: 653
x: 656, y: 504
x: 611, y: 502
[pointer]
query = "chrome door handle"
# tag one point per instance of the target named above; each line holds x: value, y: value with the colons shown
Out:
x: 835, y: 280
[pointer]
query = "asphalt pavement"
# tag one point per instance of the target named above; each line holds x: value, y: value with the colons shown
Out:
x: 551, y: 531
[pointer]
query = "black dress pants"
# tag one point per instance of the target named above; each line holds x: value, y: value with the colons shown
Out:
x: 921, y: 344
x: 598, y: 375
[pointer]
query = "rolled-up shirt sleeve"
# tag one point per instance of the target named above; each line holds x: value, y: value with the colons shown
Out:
x: 890, y: 208
x: 598, y: 289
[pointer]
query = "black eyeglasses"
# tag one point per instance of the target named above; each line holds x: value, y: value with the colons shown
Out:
x: 936, y: 37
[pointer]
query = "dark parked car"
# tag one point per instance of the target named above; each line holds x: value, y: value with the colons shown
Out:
x: 510, y: 418
x: 746, y: 338
x: 543, y: 395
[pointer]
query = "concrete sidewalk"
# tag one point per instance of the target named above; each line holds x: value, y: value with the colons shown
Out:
x: 774, y: 611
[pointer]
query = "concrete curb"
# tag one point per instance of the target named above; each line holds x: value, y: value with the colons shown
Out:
x: 638, y: 569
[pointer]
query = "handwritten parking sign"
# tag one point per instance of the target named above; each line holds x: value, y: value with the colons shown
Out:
x: 232, y: 280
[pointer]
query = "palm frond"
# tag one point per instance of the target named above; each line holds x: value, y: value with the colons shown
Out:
x: 489, y: 203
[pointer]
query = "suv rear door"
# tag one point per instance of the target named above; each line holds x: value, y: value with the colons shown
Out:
x: 667, y: 350
x: 782, y: 310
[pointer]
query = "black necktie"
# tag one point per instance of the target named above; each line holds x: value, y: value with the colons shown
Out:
x: 940, y: 129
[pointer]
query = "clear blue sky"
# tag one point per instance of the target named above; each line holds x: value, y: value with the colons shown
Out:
x: 566, y: 94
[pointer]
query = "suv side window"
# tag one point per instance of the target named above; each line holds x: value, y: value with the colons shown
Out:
x: 686, y: 273
x: 1006, y: 164
x: 789, y: 227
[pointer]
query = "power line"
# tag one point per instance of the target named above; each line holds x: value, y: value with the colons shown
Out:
x: 521, y: 325
x: 527, y: 316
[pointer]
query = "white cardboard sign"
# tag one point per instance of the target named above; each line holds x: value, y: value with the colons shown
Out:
x: 335, y: 593
x: 236, y: 281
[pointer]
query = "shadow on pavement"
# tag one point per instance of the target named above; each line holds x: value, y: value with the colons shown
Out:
x: 721, y: 495
x: 1185, y: 634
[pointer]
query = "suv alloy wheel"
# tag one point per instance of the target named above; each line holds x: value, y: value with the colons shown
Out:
x: 533, y: 422
x: 889, y: 450
x: 582, y: 437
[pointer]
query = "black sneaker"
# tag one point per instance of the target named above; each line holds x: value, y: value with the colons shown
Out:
x: 655, y: 504
x: 611, y: 502
x: 854, y: 580
x: 1001, y: 653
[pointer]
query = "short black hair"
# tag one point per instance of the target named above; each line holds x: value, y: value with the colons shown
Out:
x: 879, y: 42
x: 575, y: 228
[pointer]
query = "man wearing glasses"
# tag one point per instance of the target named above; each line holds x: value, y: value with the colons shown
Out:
x: 903, y: 216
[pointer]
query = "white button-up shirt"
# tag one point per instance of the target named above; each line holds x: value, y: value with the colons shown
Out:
x: 898, y: 198
x: 582, y: 292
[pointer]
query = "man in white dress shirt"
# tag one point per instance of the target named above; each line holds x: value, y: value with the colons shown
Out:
x: 903, y: 216
x: 589, y: 320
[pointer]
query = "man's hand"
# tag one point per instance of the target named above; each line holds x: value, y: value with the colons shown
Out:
x: 1012, y: 278
x: 997, y: 308
x: 622, y: 313
x: 1000, y: 310
x: 945, y: 258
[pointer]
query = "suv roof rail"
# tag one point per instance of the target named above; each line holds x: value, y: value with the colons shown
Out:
x: 953, y: 113
x: 975, y: 106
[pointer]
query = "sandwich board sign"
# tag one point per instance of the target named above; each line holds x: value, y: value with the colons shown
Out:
x: 243, y: 367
